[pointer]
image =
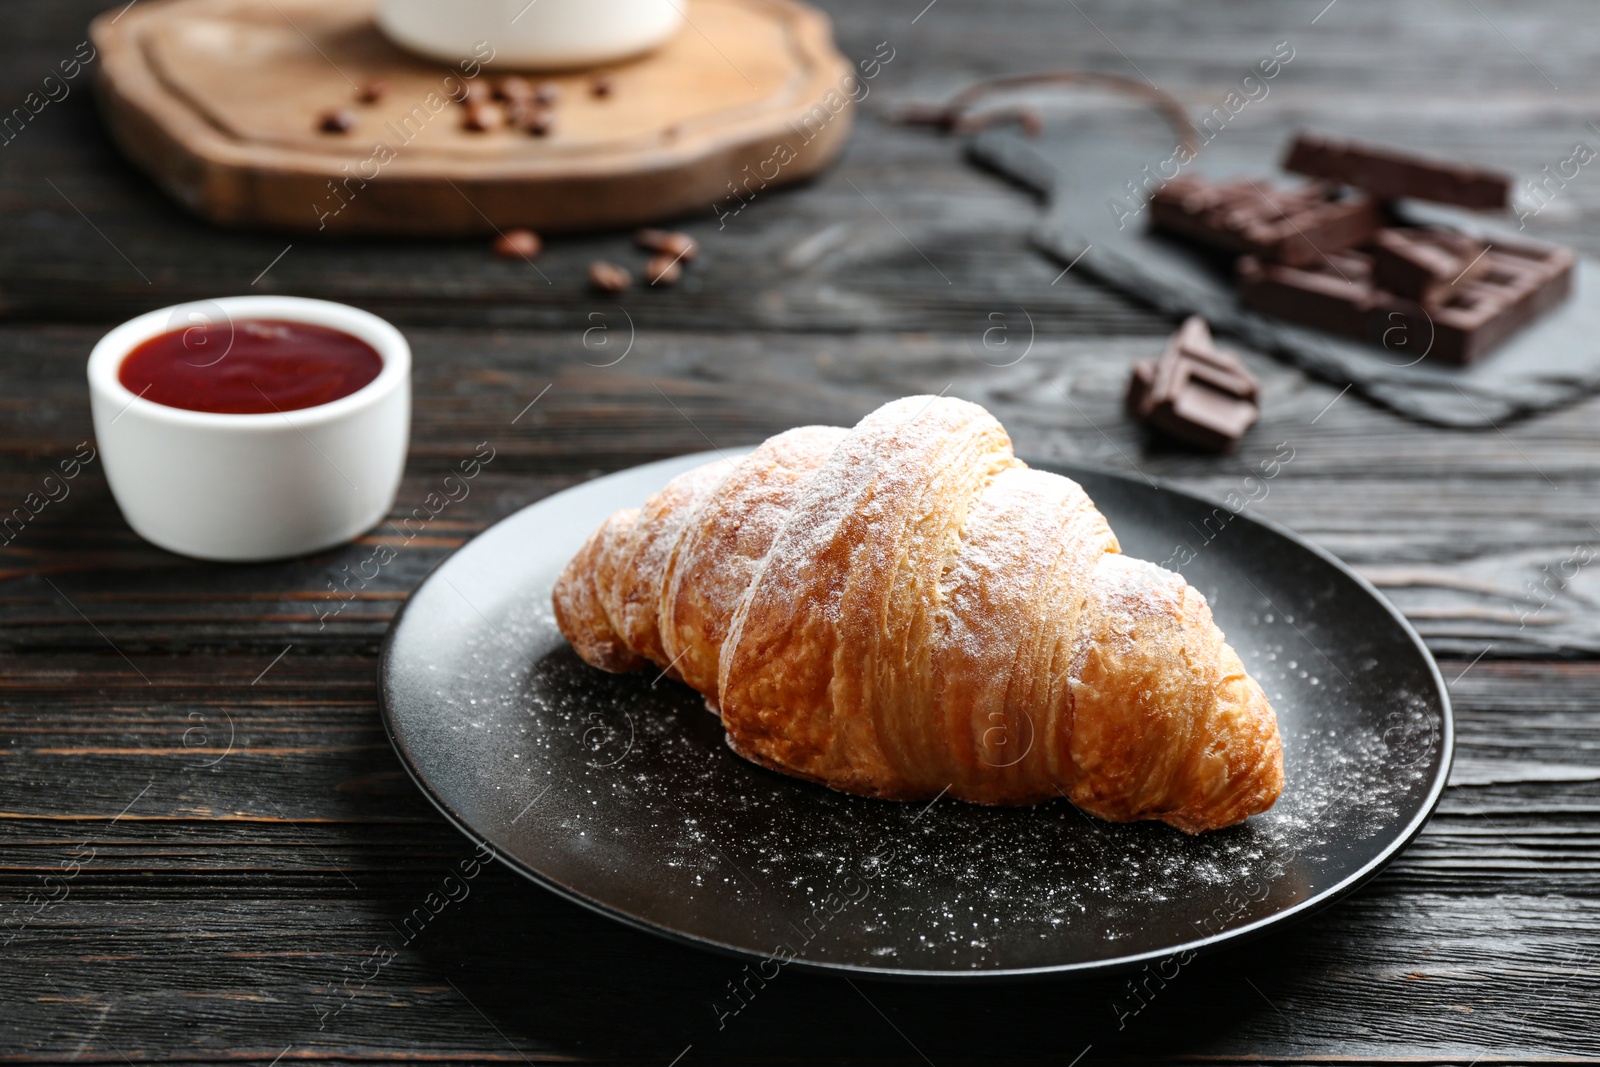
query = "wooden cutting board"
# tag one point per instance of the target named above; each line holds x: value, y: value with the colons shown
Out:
x: 220, y: 101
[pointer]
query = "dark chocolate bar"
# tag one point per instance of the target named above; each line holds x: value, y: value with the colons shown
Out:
x: 1336, y: 295
x: 1388, y: 175
x: 1194, y: 392
x: 1521, y: 283
x: 1425, y: 265
x: 1514, y: 285
x: 1256, y: 218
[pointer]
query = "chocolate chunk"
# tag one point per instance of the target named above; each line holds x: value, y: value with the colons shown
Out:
x: 1513, y: 285
x: 1520, y: 283
x: 1194, y: 392
x: 1388, y: 175
x: 1425, y: 264
x: 601, y: 86
x: 1256, y: 218
x: 1192, y: 348
x: 1337, y: 295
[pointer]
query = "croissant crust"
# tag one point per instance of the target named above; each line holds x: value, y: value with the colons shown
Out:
x: 905, y: 609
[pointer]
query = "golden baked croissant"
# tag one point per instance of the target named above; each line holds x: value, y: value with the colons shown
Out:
x: 906, y: 608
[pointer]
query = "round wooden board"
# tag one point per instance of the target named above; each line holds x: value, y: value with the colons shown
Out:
x: 220, y: 101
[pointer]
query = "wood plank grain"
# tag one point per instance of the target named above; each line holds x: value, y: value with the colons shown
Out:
x: 508, y: 968
x: 1481, y: 537
x: 230, y: 912
x: 862, y: 248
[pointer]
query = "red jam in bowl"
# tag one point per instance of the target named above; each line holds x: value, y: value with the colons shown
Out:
x: 249, y: 367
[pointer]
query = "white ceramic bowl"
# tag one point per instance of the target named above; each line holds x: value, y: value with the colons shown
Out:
x: 537, y: 34
x: 239, y: 488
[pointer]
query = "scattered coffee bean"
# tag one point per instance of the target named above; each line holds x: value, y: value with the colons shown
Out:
x: 547, y: 93
x: 663, y: 270
x: 518, y: 244
x: 513, y: 88
x: 608, y: 277
x: 668, y: 243
x: 485, y: 116
x: 601, y: 86
x: 474, y: 92
x: 540, y: 122
x: 518, y: 112
x: 340, y: 121
x: 372, y: 90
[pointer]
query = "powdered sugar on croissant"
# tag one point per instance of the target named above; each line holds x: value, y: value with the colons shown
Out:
x: 906, y: 608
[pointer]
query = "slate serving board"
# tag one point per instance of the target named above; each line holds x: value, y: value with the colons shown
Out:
x: 1095, y: 222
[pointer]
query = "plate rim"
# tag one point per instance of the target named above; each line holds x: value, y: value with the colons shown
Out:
x: 1304, y: 909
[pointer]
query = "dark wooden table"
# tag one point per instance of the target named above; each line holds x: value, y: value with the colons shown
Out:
x: 204, y: 833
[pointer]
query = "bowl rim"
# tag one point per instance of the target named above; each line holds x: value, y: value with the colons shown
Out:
x: 108, y: 354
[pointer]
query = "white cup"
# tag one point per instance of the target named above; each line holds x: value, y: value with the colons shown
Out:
x: 240, y: 488
x: 545, y: 34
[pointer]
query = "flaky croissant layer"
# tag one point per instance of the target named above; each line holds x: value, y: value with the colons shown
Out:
x: 905, y: 608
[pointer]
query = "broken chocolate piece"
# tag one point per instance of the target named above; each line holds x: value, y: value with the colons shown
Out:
x: 1425, y: 264
x: 1256, y: 218
x: 1194, y: 392
x: 1514, y: 285
x: 1520, y: 283
x: 1388, y: 175
x: 1336, y: 295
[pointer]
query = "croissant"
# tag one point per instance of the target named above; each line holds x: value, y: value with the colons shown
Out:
x: 905, y: 609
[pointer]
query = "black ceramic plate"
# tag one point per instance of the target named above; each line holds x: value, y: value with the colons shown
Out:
x: 618, y: 791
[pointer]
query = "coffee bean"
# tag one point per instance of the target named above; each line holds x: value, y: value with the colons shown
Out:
x: 673, y: 245
x: 485, y: 116
x: 372, y: 90
x: 518, y: 112
x: 340, y: 121
x: 601, y: 86
x: 540, y: 122
x: 514, y: 88
x: 547, y: 93
x: 518, y: 244
x: 663, y: 270
x: 608, y: 277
